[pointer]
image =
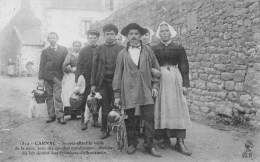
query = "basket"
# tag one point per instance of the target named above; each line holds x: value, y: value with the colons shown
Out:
x: 76, y: 100
x: 40, y: 95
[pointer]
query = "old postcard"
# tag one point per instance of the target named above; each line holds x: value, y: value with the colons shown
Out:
x: 130, y: 80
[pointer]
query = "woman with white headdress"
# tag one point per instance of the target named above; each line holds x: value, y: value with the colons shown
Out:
x: 68, y: 80
x: 171, y: 111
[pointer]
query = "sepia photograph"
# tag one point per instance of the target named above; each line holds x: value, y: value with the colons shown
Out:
x: 130, y: 80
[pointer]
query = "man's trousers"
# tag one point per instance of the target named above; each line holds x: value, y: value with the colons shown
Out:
x: 53, y: 101
x: 146, y: 114
x: 107, y: 102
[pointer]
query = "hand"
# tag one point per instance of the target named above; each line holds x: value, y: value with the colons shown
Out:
x: 154, y: 92
x: 117, y: 102
x: 41, y: 83
x: 68, y: 69
x: 73, y: 69
x: 93, y: 89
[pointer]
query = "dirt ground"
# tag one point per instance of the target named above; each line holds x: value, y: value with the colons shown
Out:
x: 18, y: 132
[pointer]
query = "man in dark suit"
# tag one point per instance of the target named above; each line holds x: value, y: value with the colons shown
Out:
x: 50, y: 76
x: 103, y: 72
x: 84, y: 67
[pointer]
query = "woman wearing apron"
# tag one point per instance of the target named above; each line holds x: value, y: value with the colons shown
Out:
x: 171, y: 111
x: 68, y: 81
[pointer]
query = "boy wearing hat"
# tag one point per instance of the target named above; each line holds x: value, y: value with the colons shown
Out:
x: 84, y: 67
x: 103, y: 72
x: 134, y: 86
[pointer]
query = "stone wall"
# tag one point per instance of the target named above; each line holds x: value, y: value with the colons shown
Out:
x: 222, y: 40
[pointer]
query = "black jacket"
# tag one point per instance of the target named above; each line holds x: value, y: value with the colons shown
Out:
x: 85, y: 63
x: 51, y: 63
x: 100, y: 63
x: 173, y: 54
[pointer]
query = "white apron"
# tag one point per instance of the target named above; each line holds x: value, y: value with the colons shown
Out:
x: 171, y: 110
x: 68, y: 84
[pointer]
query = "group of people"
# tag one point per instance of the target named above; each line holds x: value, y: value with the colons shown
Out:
x: 148, y: 82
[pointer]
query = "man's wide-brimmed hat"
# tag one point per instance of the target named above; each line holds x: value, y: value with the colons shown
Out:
x: 130, y: 26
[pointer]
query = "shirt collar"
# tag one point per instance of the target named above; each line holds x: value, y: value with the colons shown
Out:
x: 110, y: 44
x: 132, y: 47
x: 55, y: 47
x: 75, y: 53
x: 166, y: 43
x: 93, y: 45
x: 136, y: 46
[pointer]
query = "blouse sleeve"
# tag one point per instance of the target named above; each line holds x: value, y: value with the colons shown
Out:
x: 66, y: 64
x: 184, y: 67
x: 80, y: 65
x: 156, y: 67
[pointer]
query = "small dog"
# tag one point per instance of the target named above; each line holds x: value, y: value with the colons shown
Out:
x: 248, y: 153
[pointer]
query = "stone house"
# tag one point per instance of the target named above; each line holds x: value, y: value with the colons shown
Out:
x: 23, y: 38
x: 31, y: 45
x: 72, y: 18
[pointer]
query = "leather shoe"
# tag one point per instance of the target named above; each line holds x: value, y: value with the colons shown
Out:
x: 61, y: 121
x: 154, y: 153
x: 131, y: 149
x: 105, y: 135
x: 180, y: 147
x: 50, y: 120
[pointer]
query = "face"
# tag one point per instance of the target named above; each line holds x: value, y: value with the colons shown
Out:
x: 165, y: 34
x: 110, y: 37
x: 52, y: 38
x: 76, y: 47
x: 146, y: 38
x: 92, y: 39
x: 134, y: 36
